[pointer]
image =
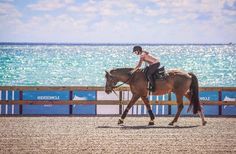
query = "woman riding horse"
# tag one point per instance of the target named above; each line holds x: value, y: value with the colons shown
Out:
x: 151, y: 60
x: 179, y: 82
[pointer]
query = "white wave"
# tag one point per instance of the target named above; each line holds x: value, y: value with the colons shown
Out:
x: 229, y: 99
x: 79, y: 98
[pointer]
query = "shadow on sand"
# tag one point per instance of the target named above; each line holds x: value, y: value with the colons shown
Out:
x: 147, y: 127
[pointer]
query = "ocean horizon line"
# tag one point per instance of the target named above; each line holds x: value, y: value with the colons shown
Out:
x: 107, y: 44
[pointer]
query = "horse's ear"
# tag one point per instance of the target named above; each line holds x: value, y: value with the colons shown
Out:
x: 107, y: 73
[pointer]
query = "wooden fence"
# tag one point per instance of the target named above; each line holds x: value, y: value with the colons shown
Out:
x: 119, y: 90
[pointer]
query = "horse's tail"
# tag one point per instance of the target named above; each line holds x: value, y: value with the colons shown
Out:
x: 194, y: 99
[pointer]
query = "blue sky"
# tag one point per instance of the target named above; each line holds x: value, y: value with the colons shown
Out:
x: 118, y: 21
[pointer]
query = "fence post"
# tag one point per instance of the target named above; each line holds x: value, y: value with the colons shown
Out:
x: 96, y: 105
x: 120, y: 105
x: 169, y: 106
x: 71, y: 106
x: 220, y: 99
x: 20, y: 106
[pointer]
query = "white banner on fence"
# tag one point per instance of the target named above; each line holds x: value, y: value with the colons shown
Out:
x: 126, y: 95
x: 163, y: 106
x: 107, y: 109
x: 101, y: 95
x: 13, y: 98
x: 157, y: 106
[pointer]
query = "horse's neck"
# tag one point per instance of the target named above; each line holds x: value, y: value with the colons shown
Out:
x: 123, y: 78
x: 122, y: 74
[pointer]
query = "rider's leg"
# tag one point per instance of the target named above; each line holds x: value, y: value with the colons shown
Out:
x: 152, y: 69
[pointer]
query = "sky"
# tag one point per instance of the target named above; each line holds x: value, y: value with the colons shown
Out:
x: 118, y: 21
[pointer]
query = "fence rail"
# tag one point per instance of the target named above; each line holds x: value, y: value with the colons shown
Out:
x: 124, y: 88
x: 120, y: 101
x: 106, y: 102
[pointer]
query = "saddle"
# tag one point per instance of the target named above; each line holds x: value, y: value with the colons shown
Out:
x: 159, y: 74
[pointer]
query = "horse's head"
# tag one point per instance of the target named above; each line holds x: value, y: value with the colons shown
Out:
x: 111, y: 82
x: 114, y: 76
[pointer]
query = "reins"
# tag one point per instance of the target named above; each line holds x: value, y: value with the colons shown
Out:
x: 122, y: 83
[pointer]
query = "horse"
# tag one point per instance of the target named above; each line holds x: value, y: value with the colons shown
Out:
x: 180, y: 82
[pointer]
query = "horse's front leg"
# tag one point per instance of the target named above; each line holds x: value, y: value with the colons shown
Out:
x: 131, y: 103
x: 148, y: 106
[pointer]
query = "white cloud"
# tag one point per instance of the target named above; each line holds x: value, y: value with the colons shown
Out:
x: 69, y: 1
x: 9, y: 18
x: 229, y: 13
x: 7, y: 9
x: 121, y: 21
x: 154, y: 12
x: 166, y: 21
x: 45, y: 5
x: 84, y: 9
x: 106, y: 8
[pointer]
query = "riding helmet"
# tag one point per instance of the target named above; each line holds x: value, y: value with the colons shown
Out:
x: 137, y: 48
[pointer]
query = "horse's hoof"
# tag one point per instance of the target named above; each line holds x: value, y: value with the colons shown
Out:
x: 171, y: 124
x: 204, y: 123
x: 120, y: 122
x: 151, y: 123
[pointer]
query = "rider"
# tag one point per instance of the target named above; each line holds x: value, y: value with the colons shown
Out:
x: 153, y: 62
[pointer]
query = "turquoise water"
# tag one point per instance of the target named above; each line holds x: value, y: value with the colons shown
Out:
x: 85, y: 65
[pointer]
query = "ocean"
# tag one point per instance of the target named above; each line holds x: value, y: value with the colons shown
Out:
x: 85, y: 64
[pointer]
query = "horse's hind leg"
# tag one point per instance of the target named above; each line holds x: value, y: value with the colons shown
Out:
x: 148, y: 106
x: 131, y: 103
x: 180, y: 107
x: 200, y: 113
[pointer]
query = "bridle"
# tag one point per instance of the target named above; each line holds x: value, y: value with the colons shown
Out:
x: 128, y: 80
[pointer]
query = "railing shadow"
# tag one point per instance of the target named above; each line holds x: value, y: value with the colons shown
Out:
x: 146, y: 127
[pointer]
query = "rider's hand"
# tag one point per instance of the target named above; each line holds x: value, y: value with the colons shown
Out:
x: 130, y: 73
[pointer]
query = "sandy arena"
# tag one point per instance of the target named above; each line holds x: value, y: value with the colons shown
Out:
x: 102, y: 135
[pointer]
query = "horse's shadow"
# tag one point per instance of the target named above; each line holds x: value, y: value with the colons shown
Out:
x: 146, y: 127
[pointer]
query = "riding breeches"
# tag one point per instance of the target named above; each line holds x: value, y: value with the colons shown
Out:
x: 151, y: 70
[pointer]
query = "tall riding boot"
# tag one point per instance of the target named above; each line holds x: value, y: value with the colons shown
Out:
x: 152, y: 84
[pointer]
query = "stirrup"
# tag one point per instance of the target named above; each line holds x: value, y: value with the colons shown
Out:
x: 151, y: 89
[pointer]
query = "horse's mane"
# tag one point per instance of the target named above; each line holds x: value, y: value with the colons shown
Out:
x: 120, y: 70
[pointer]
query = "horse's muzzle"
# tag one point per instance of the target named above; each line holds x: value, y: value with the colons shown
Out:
x: 108, y: 91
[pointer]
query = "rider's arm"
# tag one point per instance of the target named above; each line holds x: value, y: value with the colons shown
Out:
x: 139, y: 64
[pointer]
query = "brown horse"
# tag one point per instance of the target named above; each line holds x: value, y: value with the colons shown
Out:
x: 179, y: 82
